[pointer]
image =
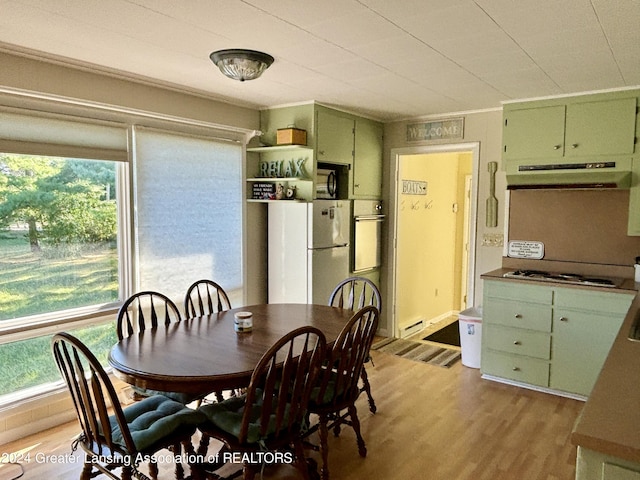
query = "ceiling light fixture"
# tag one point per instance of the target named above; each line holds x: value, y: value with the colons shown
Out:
x: 241, y: 64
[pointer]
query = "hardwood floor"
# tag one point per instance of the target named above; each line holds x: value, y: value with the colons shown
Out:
x: 432, y: 422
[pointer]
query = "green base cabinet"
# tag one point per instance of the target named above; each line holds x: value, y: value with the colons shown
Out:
x: 591, y: 465
x: 547, y: 336
x: 585, y: 325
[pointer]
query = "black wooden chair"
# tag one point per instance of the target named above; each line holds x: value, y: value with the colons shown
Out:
x: 205, y: 297
x: 272, y: 414
x: 126, y: 437
x: 144, y: 310
x: 333, y: 399
x: 354, y: 293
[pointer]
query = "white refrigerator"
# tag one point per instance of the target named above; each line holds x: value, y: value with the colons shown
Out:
x: 308, y: 249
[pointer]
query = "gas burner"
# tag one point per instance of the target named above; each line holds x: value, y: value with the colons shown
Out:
x: 571, y: 278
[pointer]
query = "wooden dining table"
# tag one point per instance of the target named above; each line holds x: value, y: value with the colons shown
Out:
x: 204, y: 354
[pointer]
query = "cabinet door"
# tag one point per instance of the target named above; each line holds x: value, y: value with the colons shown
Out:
x: 335, y: 137
x: 367, y: 165
x: 633, y: 227
x: 534, y: 133
x: 581, y: 343
x: 600, y: 128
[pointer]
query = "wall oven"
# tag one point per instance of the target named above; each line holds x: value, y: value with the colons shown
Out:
x: 367, y: 235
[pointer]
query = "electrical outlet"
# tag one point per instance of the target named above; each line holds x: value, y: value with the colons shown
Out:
x: 493, y: 240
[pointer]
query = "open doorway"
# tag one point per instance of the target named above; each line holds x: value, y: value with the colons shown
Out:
x: 434, y: 235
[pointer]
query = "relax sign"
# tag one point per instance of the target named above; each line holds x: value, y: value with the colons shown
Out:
x: 440, y: 130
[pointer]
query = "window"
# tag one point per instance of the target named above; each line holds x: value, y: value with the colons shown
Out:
x: 58, y: 254
x: 188, y: 206
x: 68, y: 255
x: 58, y: 237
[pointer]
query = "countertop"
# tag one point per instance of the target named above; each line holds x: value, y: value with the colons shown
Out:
x: 627, y: 286
x: 610, y: 420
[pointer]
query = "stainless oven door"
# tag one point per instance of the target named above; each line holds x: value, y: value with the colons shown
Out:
x: 367, y: 242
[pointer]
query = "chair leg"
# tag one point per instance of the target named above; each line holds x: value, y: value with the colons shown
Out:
x: 323, y: 433
x: 366, y: 387
x: 301, y: 462
x: 153, y: 470
x: 355, y: 423
x: 86, y: 470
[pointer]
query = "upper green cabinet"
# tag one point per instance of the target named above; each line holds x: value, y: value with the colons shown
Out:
x: 605, y: 127
x: 351, y: 143
x: 334, y: 136
x: 534, y: 132
x: 569, y: 128
x: 367, y: 165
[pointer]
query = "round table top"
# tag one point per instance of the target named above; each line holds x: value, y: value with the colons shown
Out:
x: 205, y: 354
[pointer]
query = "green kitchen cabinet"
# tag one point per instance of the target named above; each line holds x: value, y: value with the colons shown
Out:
x: 335, y: 136
x: 516, y: 332
x: 353, y: 143
x: 633, y: 227
x: 367, y: 165
x: 533, y: 133
x: 605, y: 127
x: 592, y: 465
x: 572, y: 127
x: 551, y: 337
x: 585, y: 325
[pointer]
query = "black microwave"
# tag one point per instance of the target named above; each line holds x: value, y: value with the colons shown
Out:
x: 326, y: 183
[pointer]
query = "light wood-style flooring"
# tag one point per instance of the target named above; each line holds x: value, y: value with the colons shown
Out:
x: 432, y: 423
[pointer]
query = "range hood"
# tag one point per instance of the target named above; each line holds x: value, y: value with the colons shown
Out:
x: 577, y: 174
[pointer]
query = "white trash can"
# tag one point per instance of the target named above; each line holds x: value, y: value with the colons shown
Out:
x: 470, y: 321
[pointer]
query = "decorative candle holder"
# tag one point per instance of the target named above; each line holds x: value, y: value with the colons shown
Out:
x: 243, y: 322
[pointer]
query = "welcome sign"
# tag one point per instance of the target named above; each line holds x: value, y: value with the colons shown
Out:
x: 439, y: 130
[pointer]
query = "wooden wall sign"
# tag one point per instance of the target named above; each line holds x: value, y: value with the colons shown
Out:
x: 414, y: 187
x: 438, y: 130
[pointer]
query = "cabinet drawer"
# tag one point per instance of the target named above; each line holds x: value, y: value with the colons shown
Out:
x: 518, y: 341
x: 519, y: 292
x: 515, y: 367
x: 517, y: 314
x: 612, y: 304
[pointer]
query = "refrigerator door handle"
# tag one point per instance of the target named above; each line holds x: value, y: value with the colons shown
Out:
x: 364, y: 218
x: 332, y: 246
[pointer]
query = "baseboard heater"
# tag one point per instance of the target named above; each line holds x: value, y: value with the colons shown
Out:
x: 409, y: 330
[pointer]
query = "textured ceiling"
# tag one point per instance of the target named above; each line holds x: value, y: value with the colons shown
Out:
x: 387, y: 59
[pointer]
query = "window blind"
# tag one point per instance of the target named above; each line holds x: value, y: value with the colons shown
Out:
x: 37, y: 133
x: 188, y: 212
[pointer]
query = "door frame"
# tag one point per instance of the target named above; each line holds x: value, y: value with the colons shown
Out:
x: 396, y: 153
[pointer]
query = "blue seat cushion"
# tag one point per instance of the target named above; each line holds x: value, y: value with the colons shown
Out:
x: 183, y: 398
x: 227, y: 415
x: 155, y: 418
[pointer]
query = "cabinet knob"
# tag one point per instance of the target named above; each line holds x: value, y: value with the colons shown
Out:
x: 516, y: 369
x: 574, y: 145
x: 320, y: 152
x: 517, y: 315
x: 557, y: 147
x: 517, y: 342
x: 564, y: 319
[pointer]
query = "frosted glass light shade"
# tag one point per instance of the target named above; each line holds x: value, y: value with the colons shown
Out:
x: 241, y: 64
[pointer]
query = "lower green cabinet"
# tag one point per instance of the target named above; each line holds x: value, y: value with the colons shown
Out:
x: 592, y: 465
x: 551, y: 337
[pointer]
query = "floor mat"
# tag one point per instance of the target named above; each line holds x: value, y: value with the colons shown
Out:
x: 418, y: 351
